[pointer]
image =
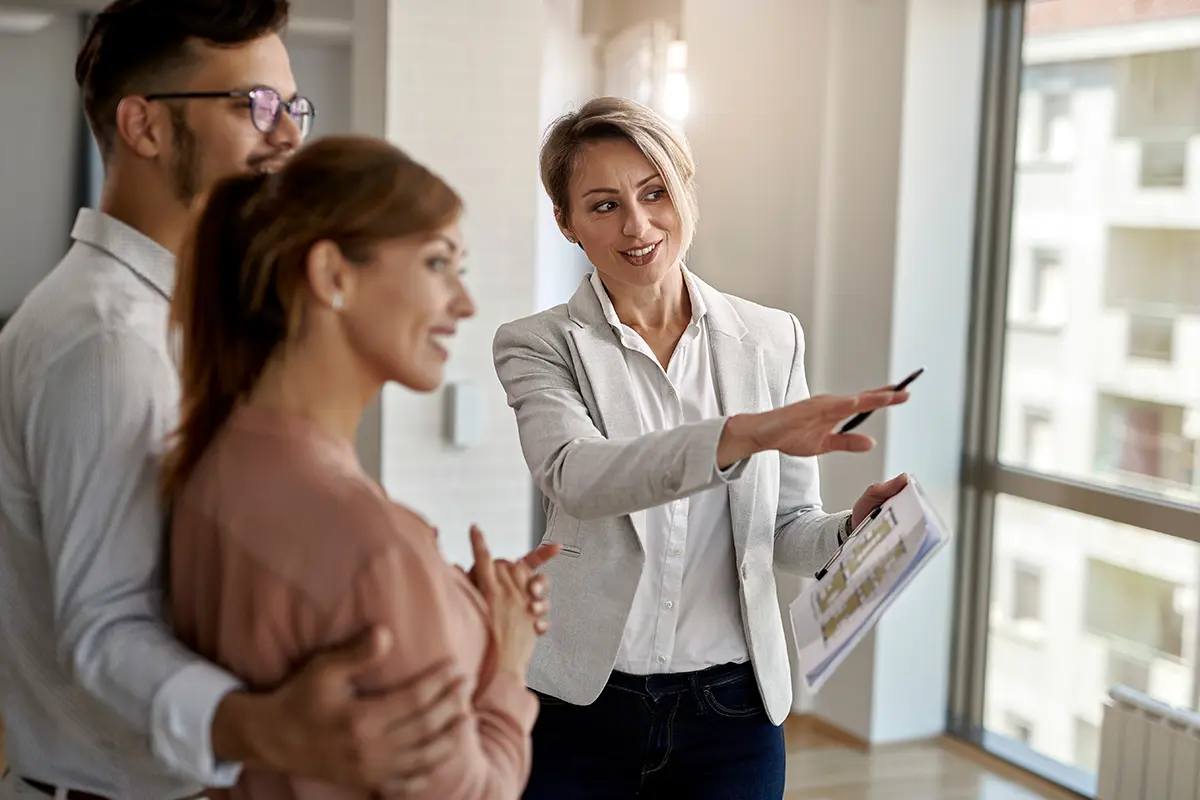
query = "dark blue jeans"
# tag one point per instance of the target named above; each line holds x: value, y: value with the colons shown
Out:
x: 693, y: 736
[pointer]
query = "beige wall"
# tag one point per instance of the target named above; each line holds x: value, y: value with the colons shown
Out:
x: 606, y: 18
x: 836, y: 161
x: 463, y: 94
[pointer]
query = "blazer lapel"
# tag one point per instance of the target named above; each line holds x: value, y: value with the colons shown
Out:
x: 738, y: 373
x: 603, y: 362
x: 608, y: 377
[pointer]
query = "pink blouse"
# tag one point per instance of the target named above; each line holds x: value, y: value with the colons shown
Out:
x: 281, y: 545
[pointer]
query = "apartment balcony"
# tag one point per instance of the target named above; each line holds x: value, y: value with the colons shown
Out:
x: 1154, y: 183
x: 1111, y: 662
x: 1149, y: 352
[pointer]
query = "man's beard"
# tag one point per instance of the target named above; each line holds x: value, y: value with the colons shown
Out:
x: 186, y: 169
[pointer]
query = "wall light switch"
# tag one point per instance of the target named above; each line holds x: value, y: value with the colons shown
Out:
x: 463, y: 415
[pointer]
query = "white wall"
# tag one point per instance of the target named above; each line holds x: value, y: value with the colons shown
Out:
x: 930, y: 320
x: 836, y: 168
x: 39, y: 154
x: 463, y: 87
x: 569, y: 77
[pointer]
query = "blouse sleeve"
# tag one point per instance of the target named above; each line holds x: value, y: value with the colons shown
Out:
x: 406, y: 589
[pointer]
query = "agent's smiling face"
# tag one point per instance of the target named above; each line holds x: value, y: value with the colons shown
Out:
x: 622, y: 214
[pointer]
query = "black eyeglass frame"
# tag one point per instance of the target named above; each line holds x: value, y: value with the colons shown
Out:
x: 251, y: 95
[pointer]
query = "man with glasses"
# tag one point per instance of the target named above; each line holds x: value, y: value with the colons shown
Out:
x: 98, y: 698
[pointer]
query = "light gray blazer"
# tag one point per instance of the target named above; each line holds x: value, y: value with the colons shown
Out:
x: 566, y: 379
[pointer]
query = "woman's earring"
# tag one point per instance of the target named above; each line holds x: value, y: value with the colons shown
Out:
x: 338, y: 301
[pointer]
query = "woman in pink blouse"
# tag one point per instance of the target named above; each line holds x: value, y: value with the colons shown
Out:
x: 299, y: 295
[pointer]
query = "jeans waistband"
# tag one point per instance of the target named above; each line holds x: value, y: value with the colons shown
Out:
x: 678, y: 682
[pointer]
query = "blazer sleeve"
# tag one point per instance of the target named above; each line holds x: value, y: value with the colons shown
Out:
x: 805, y: 536
x: 406, y: 588
x: 586, y: 474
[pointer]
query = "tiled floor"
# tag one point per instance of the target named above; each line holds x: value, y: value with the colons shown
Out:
x: 823, y: 765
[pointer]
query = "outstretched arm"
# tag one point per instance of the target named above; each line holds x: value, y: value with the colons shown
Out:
x: 590, y: 476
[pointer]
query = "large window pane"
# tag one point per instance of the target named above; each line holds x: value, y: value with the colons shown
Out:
x: 1101, y: 378
x: 1079, y: 604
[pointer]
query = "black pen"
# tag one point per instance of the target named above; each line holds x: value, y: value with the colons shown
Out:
x: 825, y: 569
x: 860, y: 418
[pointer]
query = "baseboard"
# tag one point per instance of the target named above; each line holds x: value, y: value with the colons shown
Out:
x: 817, y: 731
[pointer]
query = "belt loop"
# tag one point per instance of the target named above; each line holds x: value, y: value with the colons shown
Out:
x: 61, y: 793
x: 697, y: 692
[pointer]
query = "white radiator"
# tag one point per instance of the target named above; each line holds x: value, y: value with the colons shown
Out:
x: 1148, y: 750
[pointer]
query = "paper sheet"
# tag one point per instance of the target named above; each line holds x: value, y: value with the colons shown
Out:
x: 832, y: 615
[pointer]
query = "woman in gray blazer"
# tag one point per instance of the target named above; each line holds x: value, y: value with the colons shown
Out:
x: 671, y: 431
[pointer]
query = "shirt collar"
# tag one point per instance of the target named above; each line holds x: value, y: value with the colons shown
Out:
x: 148, y: 259
x: 699, y: 308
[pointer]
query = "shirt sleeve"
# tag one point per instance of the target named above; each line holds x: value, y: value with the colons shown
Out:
x: 408, y: 590
x: 93, y: 444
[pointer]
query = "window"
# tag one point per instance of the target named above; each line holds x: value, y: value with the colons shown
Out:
x: 1151, y: 338
x: 1047, y: 304
x: 1128, y: 670
x: 1081, y: 501
x: 1153, y: 270
x: 1122, y: 621
x: 1038, y: 439
x: 1056, y: 134
x: 1164, y: 164
x: 1027, y: 593
x: 1134, y: 608
x: 1138, y: 439
x: 1155, y: 92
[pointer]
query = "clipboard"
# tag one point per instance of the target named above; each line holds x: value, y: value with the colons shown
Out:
x: 863, y: 578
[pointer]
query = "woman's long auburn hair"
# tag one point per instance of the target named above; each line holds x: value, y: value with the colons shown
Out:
x: 242, y: 271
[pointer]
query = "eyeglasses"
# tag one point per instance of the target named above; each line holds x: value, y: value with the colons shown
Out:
x: 266, y: 107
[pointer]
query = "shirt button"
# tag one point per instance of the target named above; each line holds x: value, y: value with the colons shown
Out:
x: 662, y: 659
x: 669, y: 604
x: 676, y: 550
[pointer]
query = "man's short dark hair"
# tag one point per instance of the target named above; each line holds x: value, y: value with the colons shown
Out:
x: 133, y: 45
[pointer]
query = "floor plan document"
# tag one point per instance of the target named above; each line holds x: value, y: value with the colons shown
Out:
x: 868, y: 574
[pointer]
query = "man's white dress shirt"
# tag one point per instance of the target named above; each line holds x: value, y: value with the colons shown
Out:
x: 95, y: 692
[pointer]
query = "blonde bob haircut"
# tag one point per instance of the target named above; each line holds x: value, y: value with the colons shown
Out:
x: 606, y: 118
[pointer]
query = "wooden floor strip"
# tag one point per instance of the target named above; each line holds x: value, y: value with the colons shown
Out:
x: 827, y: 763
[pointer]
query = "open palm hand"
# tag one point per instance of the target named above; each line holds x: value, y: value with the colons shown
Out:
x: 809, y: 427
